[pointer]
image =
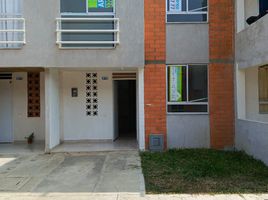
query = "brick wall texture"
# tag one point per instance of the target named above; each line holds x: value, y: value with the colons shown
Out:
x: 155, y: 68
x: 221, y: 73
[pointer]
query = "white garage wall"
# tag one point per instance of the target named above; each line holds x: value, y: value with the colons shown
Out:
x: 74, y: 122
x: 22, y: 125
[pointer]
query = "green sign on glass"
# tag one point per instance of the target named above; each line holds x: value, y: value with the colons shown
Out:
x: 100, y: 3
x: 175, y: 84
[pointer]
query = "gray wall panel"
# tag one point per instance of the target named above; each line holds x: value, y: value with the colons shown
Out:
x: 187, y: 43
x: 188, y: 131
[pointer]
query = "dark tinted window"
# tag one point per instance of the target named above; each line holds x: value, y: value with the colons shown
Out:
x: 198, y: 5
x: 198, y: 83
x: 186, y: 17
x: 74, y: 6
x: 263, y: 6
x: 187, y: 108
x: 85, y: 25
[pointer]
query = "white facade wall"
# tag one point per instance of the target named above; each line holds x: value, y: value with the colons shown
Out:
x: 23, y: 125
x: 74, y: 122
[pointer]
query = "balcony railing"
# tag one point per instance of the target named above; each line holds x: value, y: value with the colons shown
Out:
x: 87, y: 32
x: 12, y: 32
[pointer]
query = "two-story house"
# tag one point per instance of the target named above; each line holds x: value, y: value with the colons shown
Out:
x: 161, y: 73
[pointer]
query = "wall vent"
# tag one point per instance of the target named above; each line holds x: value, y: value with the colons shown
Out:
x: 156, y: 142
x: 92, y: 106
x: 5, y: 76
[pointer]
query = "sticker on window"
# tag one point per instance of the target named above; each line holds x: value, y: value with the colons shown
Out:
x: 175, y: 5
x: 100, y: 4
x: 175, y: 84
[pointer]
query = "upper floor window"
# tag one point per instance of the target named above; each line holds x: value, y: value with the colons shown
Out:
x: 187, y: 89
x: 187, y: 11
x: 88, y: 24
x: 12, y: 25
x: 263, y: 89
x: 91, y: 7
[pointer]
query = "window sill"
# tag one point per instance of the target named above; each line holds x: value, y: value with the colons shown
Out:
x: 187, y: 22
x: 87, y: 48
x: 11, y: 48
x: 185, y: 113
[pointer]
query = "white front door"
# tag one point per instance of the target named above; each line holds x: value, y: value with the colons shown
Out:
x: 5, y: 111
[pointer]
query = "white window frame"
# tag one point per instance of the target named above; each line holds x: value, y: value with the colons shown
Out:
x: 190, y: 12
x: 87, y: 13
x: 187, y: 96
x: 14, y: 17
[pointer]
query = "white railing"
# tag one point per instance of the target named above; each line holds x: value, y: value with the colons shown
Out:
x: 61, y: 30
x: 13, y: 22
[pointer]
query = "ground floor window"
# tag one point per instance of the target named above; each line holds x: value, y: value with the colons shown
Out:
x: 187, y: 88
x: 263, y: 89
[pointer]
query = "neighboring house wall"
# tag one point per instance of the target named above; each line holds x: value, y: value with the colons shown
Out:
x: 188, y: 131
x: 221, y: 73
x: 155, y: 68
x: 251, y: 52
x: 76, y: 125
x: 252, y: 137
x: 251, y: 45
x: 22, y: 124
x: 252, y: 96
x: 41, y: 49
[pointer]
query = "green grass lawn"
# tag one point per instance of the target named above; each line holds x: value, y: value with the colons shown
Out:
x: 203, y: 171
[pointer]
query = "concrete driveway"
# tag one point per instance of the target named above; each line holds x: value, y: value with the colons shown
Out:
x: 83, y: 176
x: 109, y: 172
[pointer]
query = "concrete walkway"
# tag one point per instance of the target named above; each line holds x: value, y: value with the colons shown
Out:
x: 83, y: 176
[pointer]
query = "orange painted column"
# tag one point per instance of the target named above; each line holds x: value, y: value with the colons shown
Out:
x: 155, y: 69
x: 221, y: 73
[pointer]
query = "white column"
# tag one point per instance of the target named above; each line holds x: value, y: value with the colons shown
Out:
x: 52, y: 108
x: 240, y: 15
x: 240, y: 93
x: 140, y: 110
